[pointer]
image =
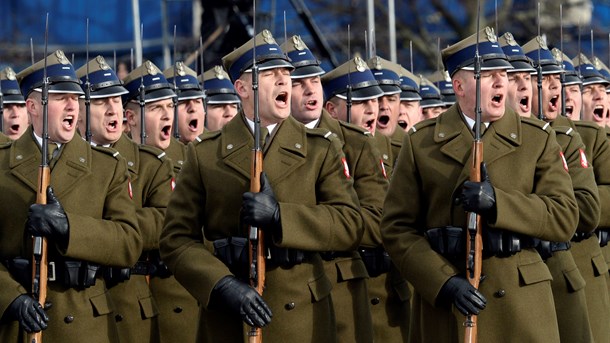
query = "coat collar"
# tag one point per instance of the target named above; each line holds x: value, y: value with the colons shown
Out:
x: 129, y: 151
x: 74, y: 163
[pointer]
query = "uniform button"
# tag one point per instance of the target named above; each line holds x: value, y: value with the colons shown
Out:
x: 289, y: 306
x: 375, y: 301
x: 500, y: 293
x: 118, y: 318
x: 69, y: 319
x: 178, y: 309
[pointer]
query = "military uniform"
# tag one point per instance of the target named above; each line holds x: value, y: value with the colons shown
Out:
x: 177, y: 309
x: 3, y: 138
x: 93, y: 187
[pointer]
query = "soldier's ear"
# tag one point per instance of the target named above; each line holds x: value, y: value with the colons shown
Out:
x: 241, y: 87
x: 458, y: 86
x: 331, y: 108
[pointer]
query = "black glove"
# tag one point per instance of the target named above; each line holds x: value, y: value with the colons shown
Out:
x: 262, y: 209
x: 28, y: 312
x: 241, y: 299
x: 479, y: 197
x: 459, y: 291
x: 49, y: 220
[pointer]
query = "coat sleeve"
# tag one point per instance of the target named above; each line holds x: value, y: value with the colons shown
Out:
x: 182, y: 241
x: 601, y: 168
x: 115, y: 238
x: 154, y: 204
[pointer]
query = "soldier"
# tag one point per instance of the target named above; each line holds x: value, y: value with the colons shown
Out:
x: 364, y: 102
x: 431, y: 101
x: 442, y: 81
x: 346, y: 270
x: 575, y: 318
x: 89, y: 218
x: 221, y: 102
x: 519, y: 96
x: 15, y: 119
x: 322, y: 216
x: 151, y: 177
x: 524, y: 193
x: 410, y: 112
x: 190, y: 101
x: 177, y: 319
x: 387, y: 75
x: 597, y: 148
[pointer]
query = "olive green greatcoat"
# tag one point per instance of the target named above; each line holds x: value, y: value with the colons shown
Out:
x: 152, y: 178
x: 348, y: 274
x: 384, y: 146
x: 396, y: 142
x: 319, y: 212
x: 593, y: 266
x: 93, y: 187
x: 178, y: 310
x: 4, y: 138
x: 534, y: 197
x: 568, y: 283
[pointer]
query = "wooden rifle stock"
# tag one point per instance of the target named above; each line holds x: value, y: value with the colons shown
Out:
x: 474, y: 243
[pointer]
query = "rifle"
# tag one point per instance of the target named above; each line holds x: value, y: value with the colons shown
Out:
x: 87, y: 94
x: 539, y: 69
x: 562, y: 76
x: 348, y: 101
x: 205, y: 98
x: 39, y: 253
x: 175, y: 99
x: 141, y: 98
x: 256, y: 239
x: 474, y: 242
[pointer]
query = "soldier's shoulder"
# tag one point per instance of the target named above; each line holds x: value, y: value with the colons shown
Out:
x: 206, y: 136
x: 347, y: 127
x: 157, y: 153
x: 106, y: 151
x: 6, y: 144
x: 586, y: 125
x: 319, y: 133
x: 564, y: 130
x: 422, y: 126
x: 536, y: 125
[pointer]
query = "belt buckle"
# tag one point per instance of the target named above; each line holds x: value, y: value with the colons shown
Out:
x: 51, y: 276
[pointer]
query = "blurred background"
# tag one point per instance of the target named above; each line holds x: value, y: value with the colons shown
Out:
x: 409, y: 32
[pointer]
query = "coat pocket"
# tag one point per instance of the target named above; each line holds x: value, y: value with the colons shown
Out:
x: 320, y: 287
x: 600, y: 267
x: 102, y: 304
x: 148, y: 307
x: 575, y: 280
x: 534, y: 272
x: 350, y: 269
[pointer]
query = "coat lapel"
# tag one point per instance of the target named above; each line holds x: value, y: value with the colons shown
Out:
x: 288, y: 150
x: 131, y: 155
x: 73, y: 165
x: 237, y: 142
x: 25, y: 160
x: 502, y: 137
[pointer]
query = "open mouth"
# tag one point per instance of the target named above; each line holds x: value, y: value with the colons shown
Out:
x: 112, y: 125
x: 68, y: 122
x: 311, y: 104
x: 282, y: 99
x: 14, y: 128
x: 569, y: 110
x: 193, y: 124
x: 369, y: 125
x: 403, y: 124
x: 166, y: 131
x: 554, y: 102
x: 598, y: 113
x: 383, y: 120
x: 524, y: 104
x: 497, y: 100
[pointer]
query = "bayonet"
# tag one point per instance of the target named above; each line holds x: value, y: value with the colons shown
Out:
x: 539, y: 68
x: 348, y: 102
x: 142, y: 96
x: 87, y: 91
x: 562, y: 75
x: 175, y: 99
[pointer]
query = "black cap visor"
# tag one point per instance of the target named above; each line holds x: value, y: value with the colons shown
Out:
x: 307, y: 71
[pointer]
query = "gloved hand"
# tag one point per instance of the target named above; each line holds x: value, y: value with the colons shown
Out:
x: 241, y: 299
x: 459, y: 291
x: 49, y: 220
x: 479, y: 197
x: 262, y: 209
x: 28, y: 312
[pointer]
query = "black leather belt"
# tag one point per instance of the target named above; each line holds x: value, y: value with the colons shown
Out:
x: 546, y: 248
x: 603, y: 236
x: 581, y: 236
x: 143, y: 268
x: 331, y: 255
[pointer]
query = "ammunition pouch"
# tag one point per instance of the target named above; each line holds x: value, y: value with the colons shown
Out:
x: 603, y: 237
x: 376, y: 260
x: 113, y: 276
x: 450, y: 241
x: 70, y: 273
x: 547, y: 248
x: 284, y: 257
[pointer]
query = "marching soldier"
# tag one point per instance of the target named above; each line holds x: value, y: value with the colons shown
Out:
x: 15, y: 118
x: 519, y: 78
x: 574, y: 281
x: 322, y: 216
x: 346, y: 269
x: 442, y: 81
x: 431, y: 100
x: 221, y: 101
x: 89, y: 218
x: 524, y: 193
x: 151, y: 176
x: 177, y: 319
x: 190, y: 112
x: 410, y: 112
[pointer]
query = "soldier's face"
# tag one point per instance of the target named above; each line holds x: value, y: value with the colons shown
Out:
x: 62, y: 115
x: 595, y: 104
x: 16, y: 120
x: 274, y: 92
x: 520, y: 93
x: 389, y: 108
x: 494, y: 84
x: 573, y: 102
x: 410, y: 113
x: 432, y: 112
x: 190, y: 119
x: 307, y: 99
x: 219, y: 115
x: 364, y: 113
x: 106, y: 119
x: 551, y: 96
x: 158, y: 123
